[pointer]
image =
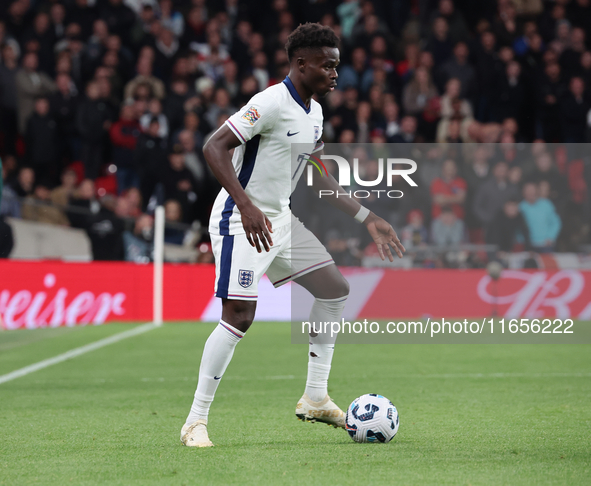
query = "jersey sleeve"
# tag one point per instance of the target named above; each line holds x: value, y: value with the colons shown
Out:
x: 257, y: 116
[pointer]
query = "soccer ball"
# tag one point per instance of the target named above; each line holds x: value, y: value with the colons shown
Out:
x: 372, y: 418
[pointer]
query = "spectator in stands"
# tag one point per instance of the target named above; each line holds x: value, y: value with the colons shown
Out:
x: 414, y: 234
x: 40, y: 32
x: 149, y: 158
x: 510, y: 94
x: 450, y: 131
x: 458, y: 67
x: 134, y: 201
x: 515, y: 176
x: 546, y: 171
x: 476, y: 173
x: 221, y: 104
x: 440, y: 44
x: 82, y: 14
x: 171, y: 19
x: 454, y: 128
x: 63, y: 105
x: 38, y: 208
x: 83, y: 203
x: 357, y: 74
x: 541, y: 218
x: 42, y: 141
x: 448, y: 191
x: 455, y: 20
x: 173, y: 213
x: 166, y: 49
x: 146, y: 78
x: 124, y: 134
x: 573, y: 112
x: 408, y: 129
x: 9, y: 202
x: 405, y: 68
x: 105, y: 231
x: 30, y: 84
x: 179, y: 183
x: 418, y: 92
x: 174, y: 105
x: 97, y: 42
x: 505, y: 26
x: 570, y: 59
x: 24, y: 183
x: 447, y: 229
x: 508, y: 228
x: 453, y: 88
x: 363, y: 122
x: 8, y: 94
x: 93, y: 120
x: 391, y: 122
x: 492, y: 195
x: 488, y: 67
x: 119, y: 17
x: 138, y: 244
x: 585, y: 68
x: 193, y: 161
x: 60, y: 196
x: 57, y: 14
x: 155, y: 111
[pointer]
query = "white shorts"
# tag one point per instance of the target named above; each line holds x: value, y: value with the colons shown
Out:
x: 239, y: 267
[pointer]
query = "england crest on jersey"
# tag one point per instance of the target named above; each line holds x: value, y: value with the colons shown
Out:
x: 316, y: 133
x: 245, y: 278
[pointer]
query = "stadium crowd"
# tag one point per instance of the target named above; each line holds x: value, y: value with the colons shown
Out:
x: 105, y: 106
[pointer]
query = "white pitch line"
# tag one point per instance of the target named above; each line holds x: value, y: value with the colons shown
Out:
x: 77, y: 352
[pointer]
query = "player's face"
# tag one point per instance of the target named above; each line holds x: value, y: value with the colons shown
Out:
x: 320, y: 73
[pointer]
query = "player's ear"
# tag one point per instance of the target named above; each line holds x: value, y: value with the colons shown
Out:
x: 301, y: 64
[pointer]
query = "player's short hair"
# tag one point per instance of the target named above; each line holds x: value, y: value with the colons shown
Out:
x: 310, y: 35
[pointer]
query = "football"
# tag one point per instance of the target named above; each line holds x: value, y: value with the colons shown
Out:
x: 372, y: 418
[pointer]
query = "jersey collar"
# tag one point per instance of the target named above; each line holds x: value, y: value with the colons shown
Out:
x: 295, y: 95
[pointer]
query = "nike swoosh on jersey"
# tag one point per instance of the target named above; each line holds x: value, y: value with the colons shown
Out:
x: 292, y: 134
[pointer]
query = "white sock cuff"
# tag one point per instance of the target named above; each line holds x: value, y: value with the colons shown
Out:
x: 337, y: 300
x: 232, y: 330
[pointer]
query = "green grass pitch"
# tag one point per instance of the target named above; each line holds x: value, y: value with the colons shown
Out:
x: 469, y: 414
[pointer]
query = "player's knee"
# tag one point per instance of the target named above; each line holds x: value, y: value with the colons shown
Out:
x: 242, y: 324
x: 343, y: 287
x: 239, y: 313
x: 241, y: 320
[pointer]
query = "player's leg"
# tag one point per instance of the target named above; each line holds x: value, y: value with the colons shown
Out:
x: 237, y: 316
x: 238, y: 270
x: 307, y: 262
x: 330, y: 290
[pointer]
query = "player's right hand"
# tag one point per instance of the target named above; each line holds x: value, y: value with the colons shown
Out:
x: 257, y: 227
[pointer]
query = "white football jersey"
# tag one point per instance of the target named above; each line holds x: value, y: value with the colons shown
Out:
x: 267, y: 126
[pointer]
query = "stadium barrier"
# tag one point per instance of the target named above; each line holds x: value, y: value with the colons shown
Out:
x: 36, y: 294
x: 40, y: 240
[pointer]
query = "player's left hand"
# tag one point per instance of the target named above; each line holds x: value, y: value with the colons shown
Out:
x: 384, y: 236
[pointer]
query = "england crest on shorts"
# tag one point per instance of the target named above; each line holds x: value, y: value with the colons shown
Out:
x: 316, y: 133
x: 245, y: 278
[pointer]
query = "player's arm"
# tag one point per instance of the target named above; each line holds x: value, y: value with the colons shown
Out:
x: 380, y: 230
x: 217, y: 154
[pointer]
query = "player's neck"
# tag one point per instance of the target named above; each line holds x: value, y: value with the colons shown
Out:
x: 305, y: 95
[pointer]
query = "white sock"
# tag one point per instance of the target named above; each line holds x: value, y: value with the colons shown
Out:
x: 322, y: 347
x: 217, y: 354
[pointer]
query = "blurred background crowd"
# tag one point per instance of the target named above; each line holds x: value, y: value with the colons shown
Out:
x: 105, y: 106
